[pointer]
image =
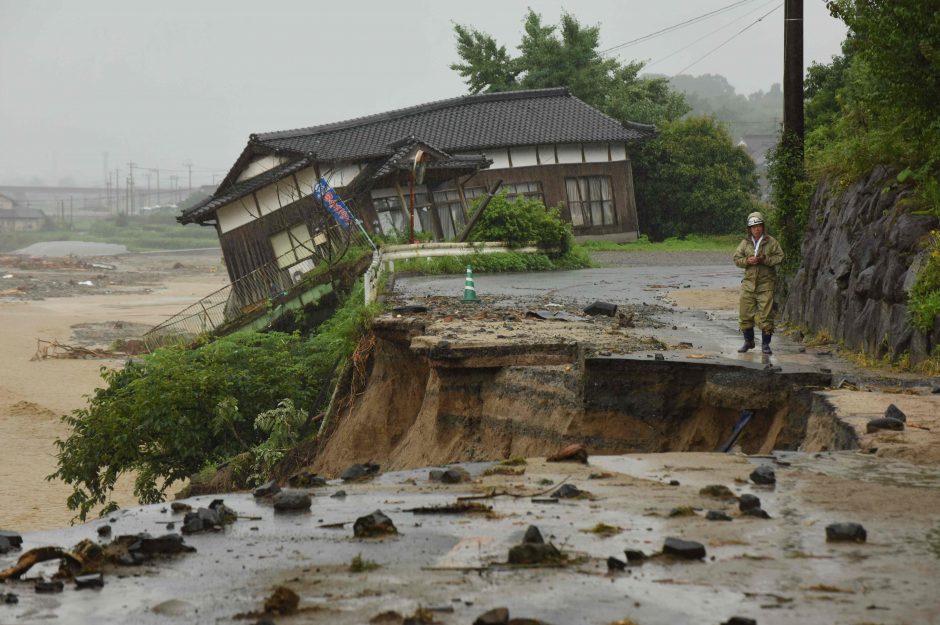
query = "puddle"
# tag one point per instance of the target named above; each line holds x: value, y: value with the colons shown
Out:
x: 865, y: 468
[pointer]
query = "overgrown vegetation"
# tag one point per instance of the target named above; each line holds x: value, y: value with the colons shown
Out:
x: 166, y: 416
x: 691, y: 173
x: 877, y: 105
x: 791, y: 191
x: 690, y: 243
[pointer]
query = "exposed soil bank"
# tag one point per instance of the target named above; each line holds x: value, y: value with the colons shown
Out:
x: 430, y: 400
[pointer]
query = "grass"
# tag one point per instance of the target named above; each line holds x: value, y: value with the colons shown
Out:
x: 604, y: 530
x: 499, y: 262
x: 362, y: 565
x: 138, y: 236
x: 691, y: 243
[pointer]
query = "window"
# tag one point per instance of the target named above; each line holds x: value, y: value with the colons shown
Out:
x: 590, y: 201
x: 450, y: 212
x: 393, y: 219
x: 524, y: 189
x: 295, y: 244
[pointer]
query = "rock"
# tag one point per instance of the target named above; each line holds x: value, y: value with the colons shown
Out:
x: 193, y: 525
x: 846, y: 532
x: 533, y: 553
x: 9, y: 598
x: 267, y: 489
x: 410, y: 309
x: 533, y: 536
x: 884, y: 423
x: 291, y: 500
x: 389, y: 617
x: 681, y: 511
x: 575, y: 452
x: 168, y: 544
x: 615, y: 564
x: 305, y: 478
x: 718, y: 491
x: 179, y: 506
x: 760, y: 513
x: 359, y: 472
x: 685, y: 549
x: 717, y: 515
x: 674, y: 482
x: 435, y: 475
x: 567, y: 491
x: 601, y: 308
x: 52, y: 586
x: 635, y: 556
x: 5, y: 546
x: 225, y: 514
x: 15, y: 540
x: 104, y: 531
x: 496, y: 616
x: 893, y: 412
x: 455, y: 475
x: 92, y: 580
x: 282, y: 601
x: 374, y: 525
x: 748, y: 502
x: 659, y: 357
x: 764, y: 474
x: 340, y: 494
x: 740, y: 620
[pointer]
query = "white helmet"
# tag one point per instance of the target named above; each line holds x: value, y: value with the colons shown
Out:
x: 754, y: 219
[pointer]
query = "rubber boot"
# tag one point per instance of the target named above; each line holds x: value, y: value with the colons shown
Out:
x: 765, y: 342
x: 748, y: 341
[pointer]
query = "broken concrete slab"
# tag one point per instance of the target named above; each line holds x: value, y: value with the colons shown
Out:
x: 884, y: 423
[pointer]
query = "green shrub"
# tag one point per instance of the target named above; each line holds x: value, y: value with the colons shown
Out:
x: 523, y: 221
x: 923, y: 304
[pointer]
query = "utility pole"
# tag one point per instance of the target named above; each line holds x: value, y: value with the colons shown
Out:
x: 189, y: 165
x: 159, y: 201
x: 793, y: 123
x: 130, y: 179
x: 117, y: 191
x: 149, y: 198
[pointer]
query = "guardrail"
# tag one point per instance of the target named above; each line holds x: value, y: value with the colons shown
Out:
x: 383, y: 259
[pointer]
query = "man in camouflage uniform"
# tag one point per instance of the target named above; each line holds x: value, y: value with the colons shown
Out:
x: 758, y: 254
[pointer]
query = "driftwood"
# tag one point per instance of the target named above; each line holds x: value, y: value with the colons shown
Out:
x: 35, y: 556
x: 55, y: 349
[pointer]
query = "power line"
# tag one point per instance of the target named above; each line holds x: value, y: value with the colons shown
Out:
x: 720, y: 28
x: 723, y: 43
x: 669, y: 29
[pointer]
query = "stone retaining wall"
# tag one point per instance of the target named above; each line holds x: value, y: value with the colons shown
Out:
x: 860, y: 257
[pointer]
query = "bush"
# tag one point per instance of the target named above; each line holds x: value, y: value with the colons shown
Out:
x: 523, y: 221
x: 167, y: 415
x: 923, y: 304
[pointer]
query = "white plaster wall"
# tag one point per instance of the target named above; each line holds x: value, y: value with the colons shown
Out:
x: 237, y: 213
x: 547, y: 154
x: 261, y: 165
x: 570, y: 153
x: 523, y: 156
x: 500, y: 159
x: 595, y: 153
x: 618, y: 151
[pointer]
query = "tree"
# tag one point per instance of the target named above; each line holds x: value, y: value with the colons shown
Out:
x: 694, y: 181
x: 689, y: 179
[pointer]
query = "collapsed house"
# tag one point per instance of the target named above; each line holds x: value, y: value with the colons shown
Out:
x: 545, y: 144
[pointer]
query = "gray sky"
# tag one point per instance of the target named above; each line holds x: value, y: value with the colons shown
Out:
x: 167, y: 82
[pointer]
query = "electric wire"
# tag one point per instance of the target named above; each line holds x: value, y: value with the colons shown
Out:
x: 726, y: 41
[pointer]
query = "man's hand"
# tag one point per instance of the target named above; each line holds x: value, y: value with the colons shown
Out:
x: 754, y: 260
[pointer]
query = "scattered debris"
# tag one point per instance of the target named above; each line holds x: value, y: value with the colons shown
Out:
x: 682, y: 511
x: 92, y: 580
x: 340, y: 494
x: 740, y: 620
x: 455, y: 475
x: 104, y: 531
x: 601, y: 308
x: 55, y: 349
x: 557, y: 315
x: 360, y: 472
x: 846, y: 532
x: 374, y: 525
x: 51, y: 586
x: 410, y: 309
x: 717, y: 491
x: 362, y: 565
x: 748, y: 501
x: 179, y: 507
x: 496, y: 616
x: 635, y: 556
x: 717, y: 515
x: 575, y: 452
x: 569, y: 491
x: 615, y: 564
x: 602, y: 529
x: 759, y: 513
x: 35, y: 556
x: 764, y: 474
x: 291, y: 501
x: 283, y: 601
x: 684, y: 549
x: 305, y: 478
x: 461, y: 507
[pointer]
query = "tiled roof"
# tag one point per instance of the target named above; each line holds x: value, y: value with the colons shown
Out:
x: 21, y: 212
x: 467, y: 123
x: 241, y: 189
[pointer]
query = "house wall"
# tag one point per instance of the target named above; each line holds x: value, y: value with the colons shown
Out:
x: 19, y: 224
x: 6, y: 203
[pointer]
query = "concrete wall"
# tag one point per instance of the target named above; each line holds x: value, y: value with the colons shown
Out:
x: 860, y: 257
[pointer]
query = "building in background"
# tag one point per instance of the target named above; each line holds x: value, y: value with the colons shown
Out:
x: 17, y: 218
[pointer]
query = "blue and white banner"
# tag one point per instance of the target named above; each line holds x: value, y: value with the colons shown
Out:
x: 328, y: 196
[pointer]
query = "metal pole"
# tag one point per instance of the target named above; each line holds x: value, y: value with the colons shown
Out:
x: 793, y: 121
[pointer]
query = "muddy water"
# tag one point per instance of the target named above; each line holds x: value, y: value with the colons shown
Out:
x: 34, y: 394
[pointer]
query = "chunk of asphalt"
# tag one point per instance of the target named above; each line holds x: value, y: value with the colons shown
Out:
x: 567, y: 491
x: 13, y: 537
x: 52, y: 586
x: 374, y: 525
x: 533, y: 536
x: 635, y: 555
x: 10, y: 598
x: 291, y: 501
x: 884, y: 423
x: 846, y: 532
x: 340, y: 494
x: 5, y: 546
x: 716, y: 515
x: 267, y: 489
x: 496, y: 616
x: 104, y: 531
x: 615, y: 564
x: 92, y: 580
x: 601, y: 308
x: 533, y: 553
x: 764, y: 474
x: 685, y: 549
x: 893, y: 412
x: 359, y: 472
x: 455, y: 475
x: 759, y: 513
x: 748, y: 501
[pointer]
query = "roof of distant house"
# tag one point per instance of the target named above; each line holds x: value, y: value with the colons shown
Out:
x: 471, y: 123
